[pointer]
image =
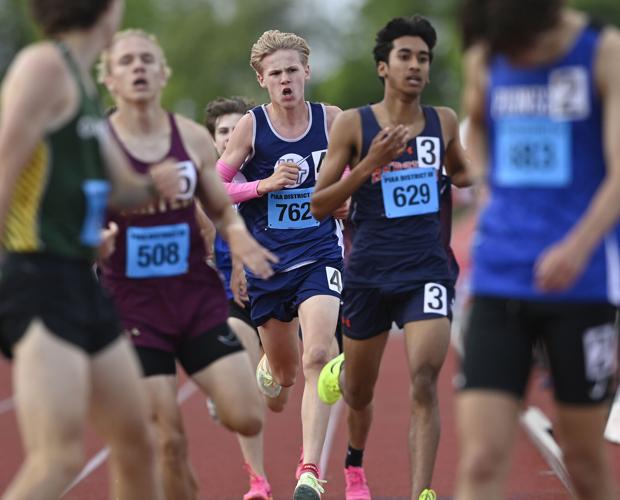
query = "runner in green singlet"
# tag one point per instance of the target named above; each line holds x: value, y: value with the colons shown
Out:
x: 57, y: 173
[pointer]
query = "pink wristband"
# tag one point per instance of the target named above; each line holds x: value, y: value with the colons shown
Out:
x: 238, y: 191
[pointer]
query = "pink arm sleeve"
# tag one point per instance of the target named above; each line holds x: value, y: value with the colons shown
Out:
x: 238, y: 191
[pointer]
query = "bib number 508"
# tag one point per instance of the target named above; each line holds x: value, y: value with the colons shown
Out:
x: 158, y: 254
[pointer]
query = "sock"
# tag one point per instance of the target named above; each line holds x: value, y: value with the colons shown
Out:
x: 354, y: 457
x: 311, y: 468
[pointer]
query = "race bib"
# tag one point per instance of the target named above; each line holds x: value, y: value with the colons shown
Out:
x: 410, y: 192
x: 290, y: 209
x: 157, y: 251
x: 533, y: 152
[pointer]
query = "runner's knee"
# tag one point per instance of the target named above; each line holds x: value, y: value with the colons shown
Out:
x: 315, y: 357
x: 245, y: 420
x: 285, y: 375
x: 424, y: 386
x: 482, y: 463
x: 359, y: 397
x: 173, y: 446
x: 64, y: 460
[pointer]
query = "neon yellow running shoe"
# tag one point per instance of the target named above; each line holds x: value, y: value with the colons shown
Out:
x: 266, y: 383
x: 308, y: 487
x: 328, y: 385
x: 428, y: 494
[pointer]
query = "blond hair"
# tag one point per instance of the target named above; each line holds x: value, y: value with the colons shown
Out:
x: 274, y: 40
x: 103, y: 66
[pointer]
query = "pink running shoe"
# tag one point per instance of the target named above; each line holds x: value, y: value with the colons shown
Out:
x: 259, y: 486
x: 356, y: 485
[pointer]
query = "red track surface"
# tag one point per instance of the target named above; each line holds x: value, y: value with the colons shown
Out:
x: 217, y: 460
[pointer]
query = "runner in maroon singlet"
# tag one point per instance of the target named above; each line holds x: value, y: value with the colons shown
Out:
x: 171, y: 302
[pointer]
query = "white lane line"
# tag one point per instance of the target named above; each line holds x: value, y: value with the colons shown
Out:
x: 538, y: 427
x: 6, y: 405
x: 332, y: 427
x: 186, y: 390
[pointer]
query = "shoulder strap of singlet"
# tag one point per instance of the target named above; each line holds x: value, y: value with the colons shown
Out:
x: 73, y: 67
x: 176, y: 141
x: 370, y: 128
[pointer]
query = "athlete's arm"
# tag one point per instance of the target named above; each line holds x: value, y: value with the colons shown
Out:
x: 37, y: 96
x: 207, y: 229
x: 238, y: 149
x: 216, y: 203
x: 331, y: 113
x: 562, y: 264
x: 342, y: 212
x: 332, y: 188
x: 455, y: 158
x: 476, y: 82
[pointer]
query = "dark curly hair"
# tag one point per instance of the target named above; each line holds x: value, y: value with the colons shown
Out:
x: 225, y: 106
x: 403, y: 26
x: 507, y: 26
x: 57, y: 16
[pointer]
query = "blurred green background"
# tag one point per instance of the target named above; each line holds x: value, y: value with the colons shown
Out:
x: 207, y: 43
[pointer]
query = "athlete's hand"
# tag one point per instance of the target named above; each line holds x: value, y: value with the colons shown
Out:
x: 560, y: 265
x: 342, y: 212
x: 284, y: 175
x: 107, y: 246
x: 388, y: 144
x: 166, y: 179
x: 239, y: 285
x: 246, y: 249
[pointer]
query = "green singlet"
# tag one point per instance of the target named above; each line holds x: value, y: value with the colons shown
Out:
x: 60, y: 198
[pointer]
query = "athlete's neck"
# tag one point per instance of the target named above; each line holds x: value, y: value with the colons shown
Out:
x: 138, y: 120
x: 289, y: 122
x: 399, y: 111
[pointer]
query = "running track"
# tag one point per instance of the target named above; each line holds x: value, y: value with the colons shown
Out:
x: 217, y: 461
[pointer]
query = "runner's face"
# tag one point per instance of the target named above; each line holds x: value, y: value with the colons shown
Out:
x: 224, y: 125
x: 284, y: 76
x: 409, y: 65
x: 137, y: 72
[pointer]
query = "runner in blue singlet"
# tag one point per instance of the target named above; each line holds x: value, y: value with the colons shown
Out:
x: 543, y: 95
x: 399, y: 269
x: 279, y: 147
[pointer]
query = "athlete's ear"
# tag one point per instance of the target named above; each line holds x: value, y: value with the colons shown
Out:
x: 382, y: 69
x: 165, y: 73
x: 307, y: 72
x: 260, y: 79
x: 109, y: 84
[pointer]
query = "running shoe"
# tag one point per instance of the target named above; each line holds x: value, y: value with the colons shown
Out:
x: 428, y: 494
x: 356, y: 486
x: 308, y: 487
x: 328, y: 385
x: 266, y: 384
x: 259, y: 486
